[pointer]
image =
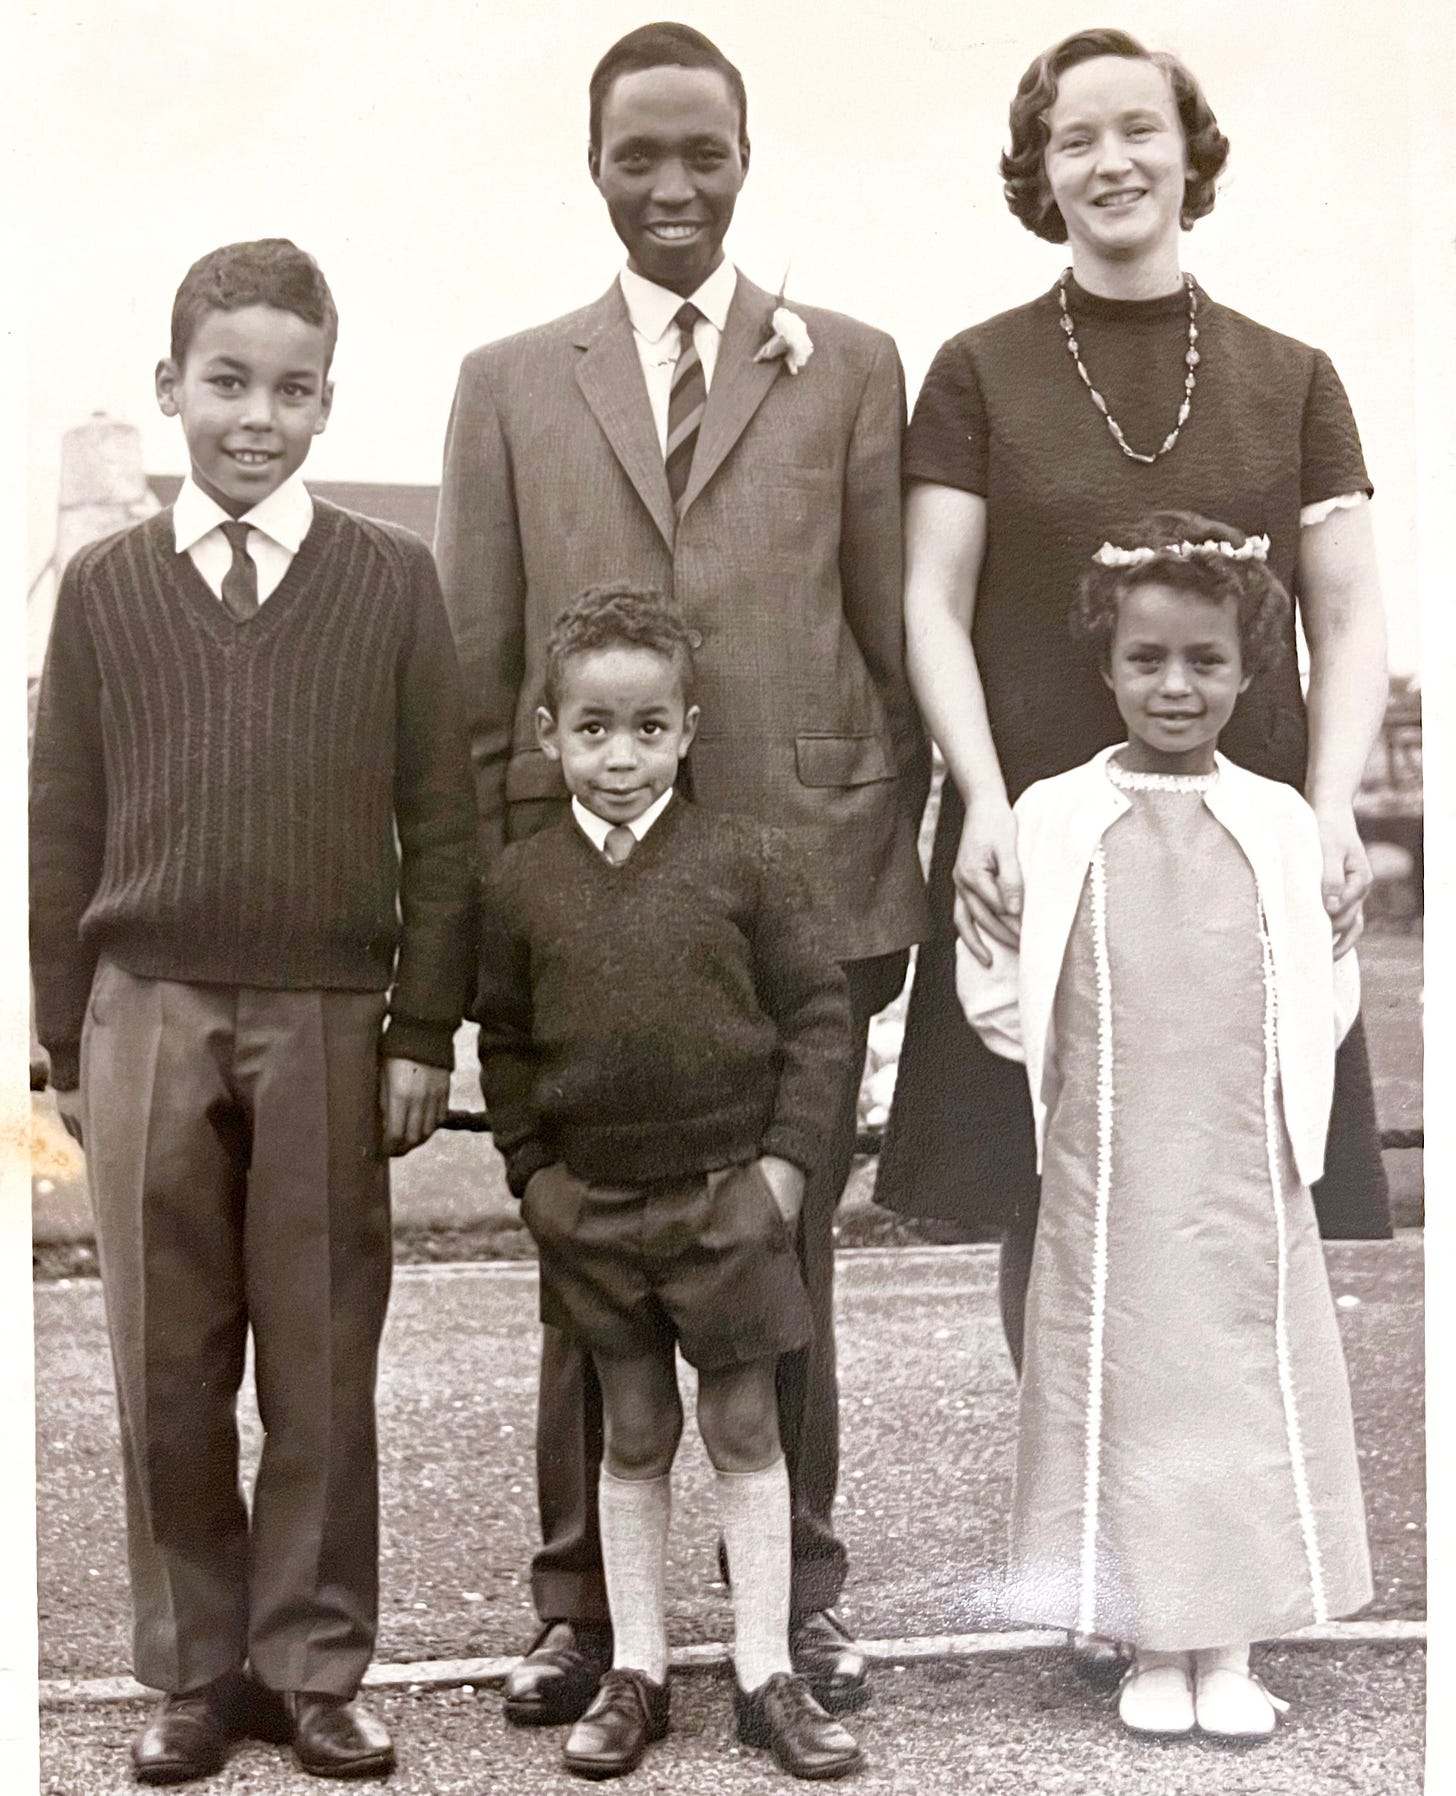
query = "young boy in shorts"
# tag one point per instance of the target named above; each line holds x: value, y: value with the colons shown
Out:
x: 251, y: 893
x: 661, y: 1041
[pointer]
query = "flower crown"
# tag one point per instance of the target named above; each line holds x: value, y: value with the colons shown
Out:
x: 1252, y: 548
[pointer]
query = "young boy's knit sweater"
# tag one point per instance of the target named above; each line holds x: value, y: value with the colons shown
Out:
x: 660, y: 1018
x: 217, y: 802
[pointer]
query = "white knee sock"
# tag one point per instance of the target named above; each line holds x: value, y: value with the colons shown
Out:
x: 635, y: 1513
x: 754, y: 1507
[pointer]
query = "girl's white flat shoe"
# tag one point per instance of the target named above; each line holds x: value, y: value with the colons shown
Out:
x: 1234, y: 1705
x: 1157, y: 1700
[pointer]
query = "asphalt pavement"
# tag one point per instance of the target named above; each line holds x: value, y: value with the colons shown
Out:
x: 927, y: 1420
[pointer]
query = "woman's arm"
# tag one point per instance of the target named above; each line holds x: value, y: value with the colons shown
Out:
x: 1339, y: 597
x: 945, y: 543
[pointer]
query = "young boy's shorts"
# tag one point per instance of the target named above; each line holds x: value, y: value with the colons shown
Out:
x: 707, y: 1260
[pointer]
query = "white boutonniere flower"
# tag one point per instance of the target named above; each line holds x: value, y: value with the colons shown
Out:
x: 790, y: 339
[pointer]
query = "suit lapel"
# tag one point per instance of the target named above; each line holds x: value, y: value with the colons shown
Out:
x: 739, y: 384
x: 609, y: 374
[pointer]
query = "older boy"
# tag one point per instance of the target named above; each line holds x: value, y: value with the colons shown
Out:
x: 661, y: 1039
x: 247, y: 699
x: 644, y: 437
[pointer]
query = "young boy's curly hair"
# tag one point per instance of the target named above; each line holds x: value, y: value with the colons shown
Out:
x: 1180, y: 549
x: 614, y: 615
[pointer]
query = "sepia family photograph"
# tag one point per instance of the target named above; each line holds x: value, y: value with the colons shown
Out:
x: 723, y: 936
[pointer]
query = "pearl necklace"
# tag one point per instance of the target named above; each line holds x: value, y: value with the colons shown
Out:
x: 1190, y: 379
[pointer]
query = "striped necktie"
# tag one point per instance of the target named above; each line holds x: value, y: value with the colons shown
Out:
x: 619, y: 844
x: 240, y: 583
x: 685, y: 402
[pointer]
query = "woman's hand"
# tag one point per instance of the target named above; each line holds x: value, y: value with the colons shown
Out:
x: 1347, y: 876
x: 988, y: 880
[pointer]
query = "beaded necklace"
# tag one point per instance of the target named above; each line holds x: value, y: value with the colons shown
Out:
x: 1190, y: 379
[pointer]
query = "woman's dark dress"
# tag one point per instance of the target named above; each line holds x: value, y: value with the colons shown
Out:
x: 1004, y: 414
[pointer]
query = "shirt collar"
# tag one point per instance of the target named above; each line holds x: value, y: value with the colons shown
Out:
x: 653, y: 308
x: 284, y: 516
x: 597, y: 828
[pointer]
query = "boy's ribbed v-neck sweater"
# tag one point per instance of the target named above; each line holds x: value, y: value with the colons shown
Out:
x: 217, y: 802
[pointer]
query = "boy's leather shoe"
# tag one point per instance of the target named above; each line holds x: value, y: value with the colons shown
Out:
x: 783, y: 1716
x: 559, y: 1674
x: 627, y: 1714
x: 185, y: 1737
x: 334, y: 1737
x: 837, y: 1671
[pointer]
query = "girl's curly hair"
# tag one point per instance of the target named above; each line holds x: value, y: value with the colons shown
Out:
x: 1262, y: 604
x: 1023, y: 166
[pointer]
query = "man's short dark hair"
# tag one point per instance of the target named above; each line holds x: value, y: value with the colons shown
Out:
x: 664, y: 45
x: 269, y: 272
x: 616, y: 615
x: 1027, y: 190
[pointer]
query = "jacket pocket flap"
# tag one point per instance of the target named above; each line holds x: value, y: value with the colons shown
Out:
x: 533, y: 775
x: 843, y: 760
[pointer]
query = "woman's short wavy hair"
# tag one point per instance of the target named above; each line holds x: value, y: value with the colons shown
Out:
x: 1257, y: 592
x: 1023, y: 167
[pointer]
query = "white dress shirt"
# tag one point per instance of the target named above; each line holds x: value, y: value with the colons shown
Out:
x: 277, y: 526
x: 597, y: 828
x: 652, y: 309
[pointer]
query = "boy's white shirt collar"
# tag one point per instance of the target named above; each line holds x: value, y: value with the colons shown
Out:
x: 284, y: 517
x: 597, y: 828
x: 652, y: 308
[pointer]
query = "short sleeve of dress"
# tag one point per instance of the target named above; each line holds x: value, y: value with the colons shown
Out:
x: 1331, y: 460
x: 947, y: 440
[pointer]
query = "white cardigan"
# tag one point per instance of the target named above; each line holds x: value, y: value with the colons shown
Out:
x: 1059, y: 824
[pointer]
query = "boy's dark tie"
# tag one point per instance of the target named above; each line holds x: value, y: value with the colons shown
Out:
x: 240, y: 582
x: 619, y: 844
x: 685, y: 402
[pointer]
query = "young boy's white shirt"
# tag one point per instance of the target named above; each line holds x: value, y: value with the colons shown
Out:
x: 277, y: 526
x: 1059, y: 825
x: 597, y: 829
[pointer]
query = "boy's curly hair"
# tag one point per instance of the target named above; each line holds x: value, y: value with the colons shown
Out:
x: 1023, y: 166
x: 612, y: 615
x: 273, y: 271
x: 1262, y: 604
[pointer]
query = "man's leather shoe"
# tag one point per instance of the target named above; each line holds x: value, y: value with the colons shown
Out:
x: 334, y: 1737
x: 559, y: 1674
x: 627, y: 1714
x: 783, y: 1716
x: 185, y: 1737
x: 837, y: 1671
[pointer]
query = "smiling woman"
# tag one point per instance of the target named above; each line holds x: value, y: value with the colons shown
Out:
x: 1124, y: 390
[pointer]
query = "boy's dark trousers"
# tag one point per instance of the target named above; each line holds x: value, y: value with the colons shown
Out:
x: 232, y: 1142
x: 566, y: 1573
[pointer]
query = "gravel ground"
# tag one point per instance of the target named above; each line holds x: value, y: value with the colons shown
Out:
x: 1000, y: 1727
x: 927, y: 1418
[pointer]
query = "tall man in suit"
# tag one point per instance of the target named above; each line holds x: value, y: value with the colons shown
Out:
x: 642, y: 438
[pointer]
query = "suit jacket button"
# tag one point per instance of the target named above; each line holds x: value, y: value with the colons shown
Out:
x: 695, y: 639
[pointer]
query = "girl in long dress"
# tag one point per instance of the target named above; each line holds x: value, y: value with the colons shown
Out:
x: 1186, y: 1473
